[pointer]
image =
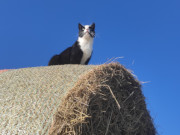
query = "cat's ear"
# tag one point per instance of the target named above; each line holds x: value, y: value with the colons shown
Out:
x: 93, y: 25
x: 80, y: 26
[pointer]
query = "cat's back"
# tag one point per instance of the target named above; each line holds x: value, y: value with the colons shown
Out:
x: 62, y: 58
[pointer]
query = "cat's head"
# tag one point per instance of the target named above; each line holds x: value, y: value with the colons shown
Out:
x: 87, y: 30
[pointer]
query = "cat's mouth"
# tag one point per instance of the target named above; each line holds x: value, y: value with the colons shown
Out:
x: 89, y: 33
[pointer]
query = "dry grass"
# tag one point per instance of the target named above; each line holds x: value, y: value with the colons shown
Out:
x: 105, y: 101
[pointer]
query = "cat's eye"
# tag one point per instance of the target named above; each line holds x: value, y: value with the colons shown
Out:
x: 91, y: 28
x: 83, y: 28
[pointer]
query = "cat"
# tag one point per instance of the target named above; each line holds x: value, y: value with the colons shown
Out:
x: 80, y: 52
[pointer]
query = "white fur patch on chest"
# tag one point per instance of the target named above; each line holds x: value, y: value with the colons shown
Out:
x: 86, y: 44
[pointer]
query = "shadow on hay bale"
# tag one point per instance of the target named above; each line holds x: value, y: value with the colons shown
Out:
x: 105, y: 101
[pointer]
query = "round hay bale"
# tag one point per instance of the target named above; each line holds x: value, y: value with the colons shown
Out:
x: 106, y: 101
x: 73, y: 100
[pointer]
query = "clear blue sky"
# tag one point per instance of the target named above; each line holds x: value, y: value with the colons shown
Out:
x: 145, y: 33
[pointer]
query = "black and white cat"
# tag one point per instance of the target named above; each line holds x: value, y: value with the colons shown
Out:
x: 80, y: 52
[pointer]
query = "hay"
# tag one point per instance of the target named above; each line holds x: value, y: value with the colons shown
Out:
x: 30, y: 96
x: 73, y: 100
x: 105, y: 101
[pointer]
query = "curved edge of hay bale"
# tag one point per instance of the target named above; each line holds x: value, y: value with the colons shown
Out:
x: 106, y: 100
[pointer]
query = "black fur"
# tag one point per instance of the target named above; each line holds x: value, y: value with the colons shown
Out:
x: 73, y: 54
